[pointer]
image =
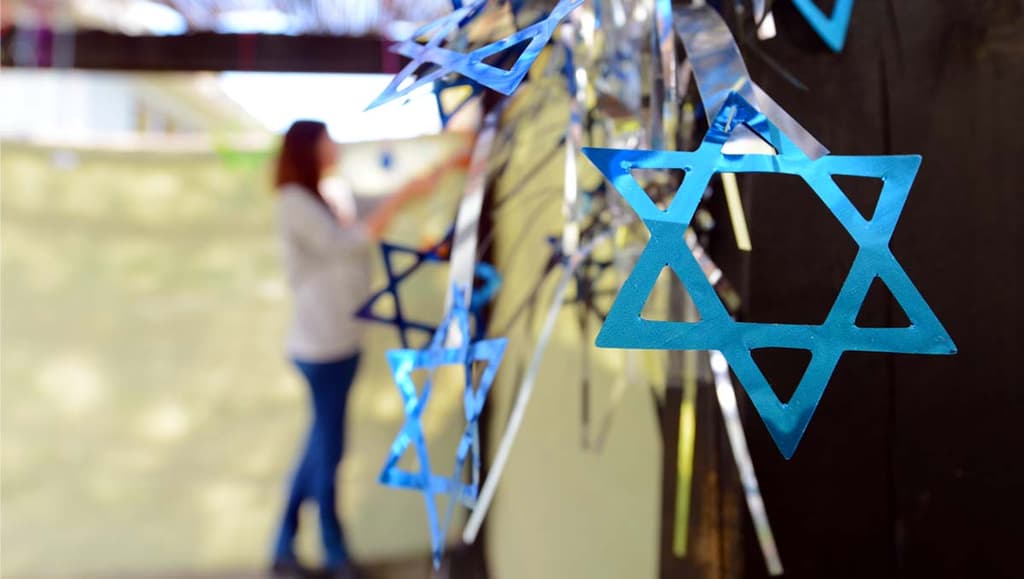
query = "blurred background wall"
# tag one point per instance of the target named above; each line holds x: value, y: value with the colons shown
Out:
x: 149, y: 416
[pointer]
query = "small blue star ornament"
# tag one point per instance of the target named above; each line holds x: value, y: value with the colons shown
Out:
x: 472, y: 64
x: 489, y: 278
x: 403, y: 363
x: 716, y: 330
x: 832, y: 29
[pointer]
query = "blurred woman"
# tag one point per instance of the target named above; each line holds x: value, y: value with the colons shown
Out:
x: 327, y: 260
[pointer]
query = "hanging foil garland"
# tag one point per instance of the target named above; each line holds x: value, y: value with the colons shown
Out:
x: 726, y: 395
x: 403, y: 363
x: 472, y: 65
x: 716, y: 330
x: 574, y: 261
x: 467, y: 222
x: 719, y: 70
x: 748, y: 133
x: 451, y: 344
x: 527, y: 384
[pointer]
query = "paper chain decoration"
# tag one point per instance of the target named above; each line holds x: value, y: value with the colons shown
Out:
x: 403, y: 363
x: 625, y: 328
x: 438, y: 253
x: 471, y: 64
x: 832, y: 29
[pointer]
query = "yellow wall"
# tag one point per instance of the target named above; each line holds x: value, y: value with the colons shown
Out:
x: 149, y: 418
x: 562, y: 511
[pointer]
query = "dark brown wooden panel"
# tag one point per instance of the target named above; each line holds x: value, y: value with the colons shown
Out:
x: 909, y: 467
x: 95, y: 49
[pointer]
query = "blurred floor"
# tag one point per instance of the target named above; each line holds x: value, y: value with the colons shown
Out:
x: 404, y: 569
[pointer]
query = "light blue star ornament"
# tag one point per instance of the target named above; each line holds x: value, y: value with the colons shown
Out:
x: 832, y: 29
x: 471, y: 64
x: 403, y: 363
x: 716, y: 330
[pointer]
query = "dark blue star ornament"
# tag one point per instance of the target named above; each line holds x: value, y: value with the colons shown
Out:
x: 403, y: 363
x: 472, y: 64
x: 489, y: 278
x: 716, y: 330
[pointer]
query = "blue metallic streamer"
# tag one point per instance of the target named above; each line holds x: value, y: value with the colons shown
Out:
x: 625, y: 328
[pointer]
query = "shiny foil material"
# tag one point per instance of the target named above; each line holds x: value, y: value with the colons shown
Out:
x: 576, y: 77
x: 471, y: 65
x: 403, y: 363
x: 832, y: 29
x: 522, y: 400
x: 726, y: 394
x: 719, y: 70
x: 467, y: 221
x: 716, y: 330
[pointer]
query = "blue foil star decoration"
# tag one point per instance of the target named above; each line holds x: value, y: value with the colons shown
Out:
x: 716, y: 330
x: 487, y: 276
x: 471, y: 65
x: 444, y: 85
x: 832, y: 29
x: 423, y: 480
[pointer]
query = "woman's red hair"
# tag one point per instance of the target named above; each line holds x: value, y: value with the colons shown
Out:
x: 298, y: 162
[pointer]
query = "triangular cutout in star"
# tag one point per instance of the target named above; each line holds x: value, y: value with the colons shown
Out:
x: 880, y: 299
x: 783, y: 368
x: 505, y: 59
x: 420, y: 377
x: 659, y: 184
x: 477, y: 369
x: 658, y: 310
x: 786, y: 421
x: 408, y: 460
x: 863, y: 192
x: 744, y: 141
x: 402, y: 259
x: 384, y: 308
x: 453, y: 94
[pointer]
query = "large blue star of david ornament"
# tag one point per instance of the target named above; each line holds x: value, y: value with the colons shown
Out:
x: 490, y: 278
x: 403, y: 363
x: 832, y: 29
x: 716, y: 330
x: 472, y: 64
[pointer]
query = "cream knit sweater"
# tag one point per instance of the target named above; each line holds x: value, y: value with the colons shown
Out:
x: 328, y: 268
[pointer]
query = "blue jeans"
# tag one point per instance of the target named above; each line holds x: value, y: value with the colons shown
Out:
x: 315, y: 475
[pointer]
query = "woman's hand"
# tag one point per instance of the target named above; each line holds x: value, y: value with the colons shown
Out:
x: 420, y: 187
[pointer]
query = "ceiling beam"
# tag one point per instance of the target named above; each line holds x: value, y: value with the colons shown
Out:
x: 99, y: 50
